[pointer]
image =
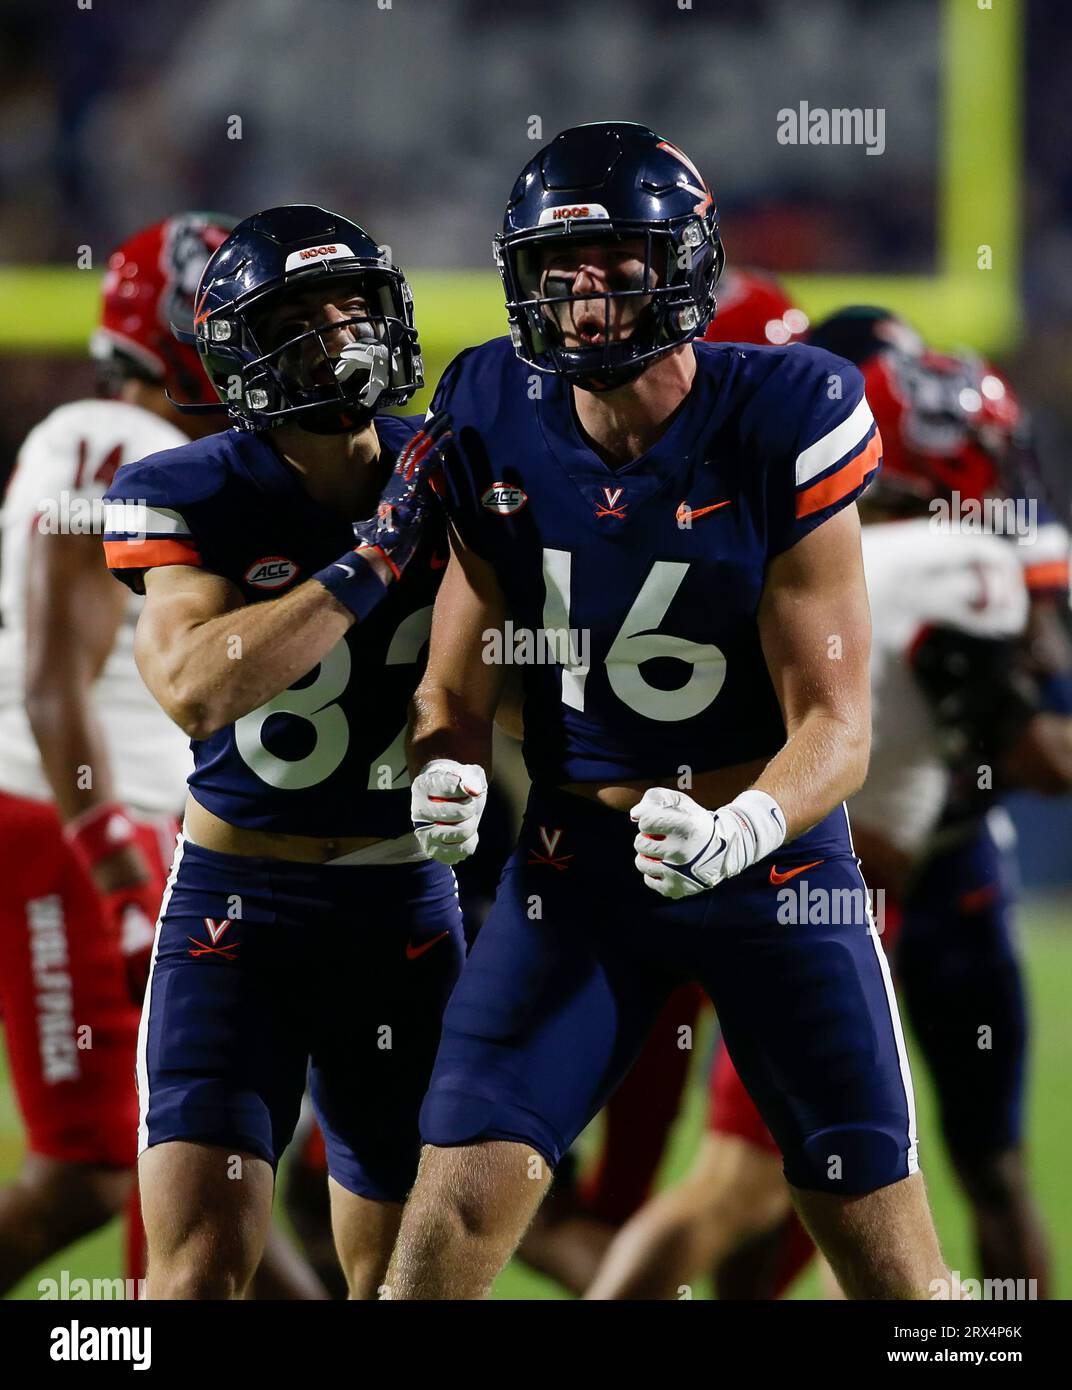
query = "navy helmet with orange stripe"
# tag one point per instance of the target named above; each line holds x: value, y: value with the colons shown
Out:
x: 609, y: 254
x: 272, y: 348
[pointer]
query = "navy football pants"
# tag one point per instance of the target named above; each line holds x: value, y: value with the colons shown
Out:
x: 578, y: 956
x: 959, y: 974
x: 266, y: 969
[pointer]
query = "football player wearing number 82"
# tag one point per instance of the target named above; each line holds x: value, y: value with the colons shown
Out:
x: 689, y: 507
x: 289, y: 566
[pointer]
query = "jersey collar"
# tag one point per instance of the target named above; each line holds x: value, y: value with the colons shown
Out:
x: 615, y: 493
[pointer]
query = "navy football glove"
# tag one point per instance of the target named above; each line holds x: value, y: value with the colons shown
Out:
x: 387, y: 541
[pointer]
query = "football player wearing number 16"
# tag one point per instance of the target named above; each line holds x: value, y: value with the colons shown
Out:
x: 301, y: 928
x: 688, y: 508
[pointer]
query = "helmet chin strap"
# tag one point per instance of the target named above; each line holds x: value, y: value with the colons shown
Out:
x: 337, y: 420
x: 614, y: 377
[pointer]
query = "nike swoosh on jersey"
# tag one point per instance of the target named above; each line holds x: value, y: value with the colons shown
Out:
x: 346, y: 569
x: 776, y: 877
x: 412, y: 952
x: 687, y: 513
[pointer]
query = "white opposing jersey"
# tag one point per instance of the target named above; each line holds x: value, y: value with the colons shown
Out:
x: 918, y: 577
x: 63, y: 469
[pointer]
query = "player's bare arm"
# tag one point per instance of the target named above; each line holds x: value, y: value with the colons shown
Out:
x: 815, y: 631
x: 815, y: 628
x: 455, y: 703
x: 1041, y: 757
x: 454, y: 709
x: 209, y: 657
x: 73, y: 614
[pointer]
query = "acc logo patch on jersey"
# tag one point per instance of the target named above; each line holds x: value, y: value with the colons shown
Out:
x: 273, y: 572
x: 504, y: 499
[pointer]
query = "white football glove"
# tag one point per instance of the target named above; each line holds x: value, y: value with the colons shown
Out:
x: 684, y: 849
x: 446, y: 803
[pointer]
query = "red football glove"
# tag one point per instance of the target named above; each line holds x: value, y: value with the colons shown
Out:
x: 132, y: 910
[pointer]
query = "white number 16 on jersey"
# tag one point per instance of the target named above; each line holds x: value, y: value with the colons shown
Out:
x: 638, y: 640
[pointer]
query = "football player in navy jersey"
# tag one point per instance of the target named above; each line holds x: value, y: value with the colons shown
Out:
x: 302, y: 928
x: 675, y: 521
x: 578, y: 1221
x: 960, y: 683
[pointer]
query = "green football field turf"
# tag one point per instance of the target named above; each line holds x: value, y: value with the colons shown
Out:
x: 1047, y: 945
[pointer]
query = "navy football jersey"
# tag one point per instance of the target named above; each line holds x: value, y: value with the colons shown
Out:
x: 326, y: 756
x: 644, y: 580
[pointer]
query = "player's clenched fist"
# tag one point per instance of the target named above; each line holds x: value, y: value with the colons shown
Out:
x: 684, y: 849
x: 446, y: 803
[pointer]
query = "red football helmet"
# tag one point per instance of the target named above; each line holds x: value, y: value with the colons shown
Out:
x: 150, y: 284
x: 948, y: 424
x: 753, y: 308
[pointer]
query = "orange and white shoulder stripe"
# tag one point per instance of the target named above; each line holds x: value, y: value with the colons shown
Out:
x: 138, y: 536
x: 838, y: 463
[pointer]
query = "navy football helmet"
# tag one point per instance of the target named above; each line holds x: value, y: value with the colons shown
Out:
x: 859, y: 331
x: 266, y: 364
x: 623, y: 187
